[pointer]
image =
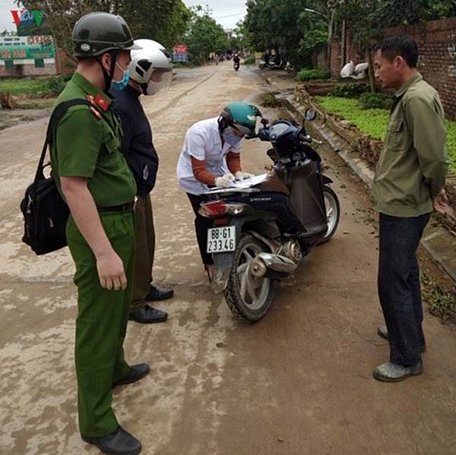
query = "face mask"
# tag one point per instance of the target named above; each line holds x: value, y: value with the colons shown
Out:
x: 230, y: 138
x: 120, y: 85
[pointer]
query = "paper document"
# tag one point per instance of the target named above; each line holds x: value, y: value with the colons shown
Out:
x: 247, y: 183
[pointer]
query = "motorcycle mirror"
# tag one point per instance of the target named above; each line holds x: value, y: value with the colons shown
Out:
x: 310, y: 114
x: 264, y: 121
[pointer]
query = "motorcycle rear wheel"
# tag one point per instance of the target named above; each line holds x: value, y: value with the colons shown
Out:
x: 248, y: 297
x: 332, y: 213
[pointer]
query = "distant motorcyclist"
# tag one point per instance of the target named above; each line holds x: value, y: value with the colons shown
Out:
x: 236, y: 61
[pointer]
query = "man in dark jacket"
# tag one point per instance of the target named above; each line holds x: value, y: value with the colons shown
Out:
x: 149, y: 71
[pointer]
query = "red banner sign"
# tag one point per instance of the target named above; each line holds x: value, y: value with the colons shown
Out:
x: 180, y: 48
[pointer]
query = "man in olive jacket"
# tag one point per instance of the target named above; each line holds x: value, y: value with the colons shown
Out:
x: 410, y: 177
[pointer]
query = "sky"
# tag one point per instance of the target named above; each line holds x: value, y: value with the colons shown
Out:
x: 226, y: 12
x: 6, y: 20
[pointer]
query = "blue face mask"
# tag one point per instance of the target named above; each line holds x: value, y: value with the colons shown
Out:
x: 230, y: 138
x: 120, y: 85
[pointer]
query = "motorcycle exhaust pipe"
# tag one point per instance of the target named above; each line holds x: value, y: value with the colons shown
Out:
x: 258, y: 267
x: 264, y: 262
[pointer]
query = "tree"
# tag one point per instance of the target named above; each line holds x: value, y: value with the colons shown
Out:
x: 292, y: 27
x: 299, y: 27
x: 366, y: 19
x: 242, y: 38
x: 175, y: 26
x: 161, y: 20
x: 204, y: 36
x: 396, y: 12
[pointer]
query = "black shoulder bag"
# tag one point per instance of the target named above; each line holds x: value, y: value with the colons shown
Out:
x: 45, y: 212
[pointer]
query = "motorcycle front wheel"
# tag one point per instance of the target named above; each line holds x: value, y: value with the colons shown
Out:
x: 332, y: 213
x: 247, y: 296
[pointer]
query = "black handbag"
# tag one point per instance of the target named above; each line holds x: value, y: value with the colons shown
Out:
x: 45, y: 212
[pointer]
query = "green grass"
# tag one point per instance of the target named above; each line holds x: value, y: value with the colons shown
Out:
x: 370, y: 121
x: 375, y: 121
x: 24, y: 86
x: 451, y: 142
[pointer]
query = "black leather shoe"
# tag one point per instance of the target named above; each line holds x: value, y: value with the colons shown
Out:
x: 135, y: 373
x: 382, y: 331
x: 148, y: 315
x: 156, y: 294
x: 119, y: 442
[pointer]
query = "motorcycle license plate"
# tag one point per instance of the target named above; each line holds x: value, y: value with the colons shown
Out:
x: 221, y: 240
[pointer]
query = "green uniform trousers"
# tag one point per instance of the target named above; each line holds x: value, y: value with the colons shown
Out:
x: 101, y: 324
x: 145, y: 250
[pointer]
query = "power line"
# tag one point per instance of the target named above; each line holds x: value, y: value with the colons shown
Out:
x: 229, y: 15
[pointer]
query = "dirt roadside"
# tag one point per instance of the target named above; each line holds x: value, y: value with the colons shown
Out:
x: 439, y: 242
x: 297, y: 383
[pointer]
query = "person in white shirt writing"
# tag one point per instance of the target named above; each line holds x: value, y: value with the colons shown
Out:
x: 211, y: 157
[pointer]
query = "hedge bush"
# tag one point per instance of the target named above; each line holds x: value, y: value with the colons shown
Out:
x: 56, y: 84
x: 349, y: 90
x: 250, y: 60
x: 375, y: 101
x: 307, y: 74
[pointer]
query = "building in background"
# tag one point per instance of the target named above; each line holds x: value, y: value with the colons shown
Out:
x: 228, y: 33
x: 30, y: 51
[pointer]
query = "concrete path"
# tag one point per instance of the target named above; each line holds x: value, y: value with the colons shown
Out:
x: 298, y: 382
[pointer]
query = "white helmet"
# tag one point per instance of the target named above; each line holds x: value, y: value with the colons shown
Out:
x: 151, y: 66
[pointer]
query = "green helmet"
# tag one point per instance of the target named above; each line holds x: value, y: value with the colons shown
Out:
x: 241, y: 116
x: 96, y: 33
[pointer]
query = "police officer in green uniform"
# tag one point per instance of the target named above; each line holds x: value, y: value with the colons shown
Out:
x: 99, y: 188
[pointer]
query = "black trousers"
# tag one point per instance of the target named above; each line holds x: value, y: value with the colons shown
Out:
x: 202, y: 224
x: 399, y: 286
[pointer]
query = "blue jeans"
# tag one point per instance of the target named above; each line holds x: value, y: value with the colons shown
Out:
x: 399, y: 286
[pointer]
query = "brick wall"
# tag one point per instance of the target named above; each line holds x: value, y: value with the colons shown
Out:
x: 437, y: 45
x: 63, y: 65
x: 28, y: 69
x: 437, y: 62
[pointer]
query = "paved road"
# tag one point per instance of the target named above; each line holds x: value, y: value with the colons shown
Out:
x: 298, y: 382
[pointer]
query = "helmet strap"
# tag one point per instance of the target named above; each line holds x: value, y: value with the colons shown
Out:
x: 109, y: 76
x: 144, y: 88
x: 223, y: 124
